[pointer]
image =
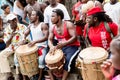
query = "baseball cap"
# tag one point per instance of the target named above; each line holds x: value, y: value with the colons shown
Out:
x: 11, y: 16
x: 94, y: 10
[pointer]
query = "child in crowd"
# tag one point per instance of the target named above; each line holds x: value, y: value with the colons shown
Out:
x: 111, y: 66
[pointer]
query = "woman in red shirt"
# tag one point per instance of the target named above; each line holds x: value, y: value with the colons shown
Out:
x: 95, y: 28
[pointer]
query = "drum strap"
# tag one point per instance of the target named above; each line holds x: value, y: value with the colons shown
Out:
x: 87, y: 40
x: 108, y: 29
x: 31, y: 35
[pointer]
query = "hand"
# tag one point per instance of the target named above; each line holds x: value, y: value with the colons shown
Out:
x: 60, y: 45
x: 13, y: 34
x: 52, y: 50
x: 31, y: 43
x: 108, y: 69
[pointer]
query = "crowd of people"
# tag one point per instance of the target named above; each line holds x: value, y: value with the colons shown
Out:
x: 48, y: 25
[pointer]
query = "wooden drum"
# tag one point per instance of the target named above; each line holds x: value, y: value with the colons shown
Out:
x: 28, y: 59
x: 91, y: 58
x: 55, y: 62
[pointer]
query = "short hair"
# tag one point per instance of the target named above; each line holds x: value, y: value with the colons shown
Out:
x: 59, y: 12
x: 3, y: 7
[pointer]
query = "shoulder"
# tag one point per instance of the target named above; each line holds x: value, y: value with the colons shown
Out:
x: 112, y: 24
x: 69, y: 24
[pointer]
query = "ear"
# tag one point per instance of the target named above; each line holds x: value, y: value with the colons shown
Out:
x: 95, y: 19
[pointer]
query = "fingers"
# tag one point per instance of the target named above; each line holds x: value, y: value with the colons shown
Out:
x: 106, y: 64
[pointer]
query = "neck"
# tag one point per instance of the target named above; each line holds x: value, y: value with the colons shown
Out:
x: 32, y: 3
x: 36, y: 23
x: 6, y: 13
x: 97, y: 24
x: 59, y: 24
x: 54, y: 5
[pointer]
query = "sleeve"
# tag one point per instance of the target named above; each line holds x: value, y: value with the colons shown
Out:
x: 114, y: 28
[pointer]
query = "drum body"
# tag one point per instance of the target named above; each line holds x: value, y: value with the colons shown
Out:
x: 55, y: 62
x: 28, y: 60
x: 90, y: 59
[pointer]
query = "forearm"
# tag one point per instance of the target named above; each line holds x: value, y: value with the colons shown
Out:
x: 9, y: 41
x: 71, y: 40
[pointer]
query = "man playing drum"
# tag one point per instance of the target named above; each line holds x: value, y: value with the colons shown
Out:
x: 13, y: 35
x: 65, y: 33
x: 39, y: 34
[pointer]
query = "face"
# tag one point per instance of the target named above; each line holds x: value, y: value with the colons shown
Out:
x: 54, y: 18
x: 52, y: 2
x: 115, y: 56
x: 13, y: 23
x: 7, y: 10
x: 33, y: 17
x: 113, y: 1
x: 28, y: 1
x: 90, y: 20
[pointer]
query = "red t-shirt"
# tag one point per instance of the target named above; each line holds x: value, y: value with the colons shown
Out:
x: 99, y: 36
x: 65, y: 36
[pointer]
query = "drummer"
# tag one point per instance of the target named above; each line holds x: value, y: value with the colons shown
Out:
x: 65, y: 34
x: 13, y: 35
x: 95, y: 29
x: 38, y: 31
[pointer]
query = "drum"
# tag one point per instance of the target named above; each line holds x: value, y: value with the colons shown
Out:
x: 90, y: 59
x: 55, y: 62
x: 28, y: 59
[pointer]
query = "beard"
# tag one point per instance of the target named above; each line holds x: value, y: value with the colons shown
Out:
x: 56, y: 22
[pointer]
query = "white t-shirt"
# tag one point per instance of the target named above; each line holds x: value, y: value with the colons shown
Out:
x: 48, y: 13
x: 17, y: 10
x: 113, y: 11
x: 37, y: 34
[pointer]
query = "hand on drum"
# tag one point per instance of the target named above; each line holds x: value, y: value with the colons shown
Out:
x: 32, y: 43
x: 107, y: 69
x: 59, y: 45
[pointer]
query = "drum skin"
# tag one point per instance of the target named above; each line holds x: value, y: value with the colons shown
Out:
x: 55, y: 62
x: 90, y: 59
x: 28, y: 59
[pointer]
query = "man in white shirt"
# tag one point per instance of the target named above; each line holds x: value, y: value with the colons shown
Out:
x: 48, y: 12
x: 112, y: 9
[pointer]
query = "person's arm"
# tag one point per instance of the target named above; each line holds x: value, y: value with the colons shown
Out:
x: 27, y: 31
x: 50, y: 39
x: 25, y: 15
x: 108, y: 69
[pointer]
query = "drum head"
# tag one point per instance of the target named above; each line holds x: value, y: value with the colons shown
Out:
x: 25, y: 50
x: 51, y: 59
x: 93, y: 54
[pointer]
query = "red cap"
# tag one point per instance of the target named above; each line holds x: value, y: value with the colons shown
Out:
x: 94, y: 10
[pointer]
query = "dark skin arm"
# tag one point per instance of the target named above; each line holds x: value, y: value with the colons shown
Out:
x: 25, y: 15
x: 45, y: 31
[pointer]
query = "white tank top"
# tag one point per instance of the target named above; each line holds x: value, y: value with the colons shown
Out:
x: 17, y: 10
x: 37, y: 34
